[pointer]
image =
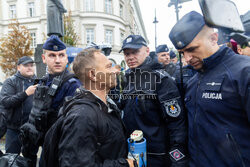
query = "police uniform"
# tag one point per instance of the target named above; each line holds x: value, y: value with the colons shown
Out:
x: 218, y: 102
x: 39, y: 124
x: 152, y: 104
x: 69, y: 86
x: 170, y: 68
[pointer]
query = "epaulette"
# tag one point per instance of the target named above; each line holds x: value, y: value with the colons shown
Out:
x: 162, y: 73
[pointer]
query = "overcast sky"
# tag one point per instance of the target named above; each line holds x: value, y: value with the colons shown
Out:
x: 167, y: 17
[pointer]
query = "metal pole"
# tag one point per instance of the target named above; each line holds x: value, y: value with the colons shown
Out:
x: 155, y: 22
x: 155, y: 37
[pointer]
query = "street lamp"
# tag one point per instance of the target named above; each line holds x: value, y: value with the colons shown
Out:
x: 177, y: 7
x: 155, y: 22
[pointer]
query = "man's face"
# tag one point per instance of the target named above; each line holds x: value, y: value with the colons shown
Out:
x: 174, y: 60
x: 245, y: 51
x: 195, y: 52
x: 163, y: 58
x: 202, y: 46
x: 56, y: 61
x: 135, y: 57
x: 105, y: 73
x: 26, y: 70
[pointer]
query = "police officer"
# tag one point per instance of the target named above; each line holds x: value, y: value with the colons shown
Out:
x: 217, y: 98
x: 56, y: 59
x: 151, y: 103
x: 164, y: 58
x: 173, y: 57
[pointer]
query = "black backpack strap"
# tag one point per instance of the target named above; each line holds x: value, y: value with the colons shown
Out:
x: 67, y: 77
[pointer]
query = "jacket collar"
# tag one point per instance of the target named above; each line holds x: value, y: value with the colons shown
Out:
x: 214, y: 59
x: 148, y: 65
x: 18, y: 74
x: 86, y: 94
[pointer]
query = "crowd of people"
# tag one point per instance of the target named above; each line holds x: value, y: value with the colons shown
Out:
x: 199, y: 118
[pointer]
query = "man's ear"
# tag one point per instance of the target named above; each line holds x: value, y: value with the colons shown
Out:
x: 214, y: 38
x: 92, y: 75
x: 18, y: 67
x: 147, y: 50
x: 43, y: 57
x: 239, y: 50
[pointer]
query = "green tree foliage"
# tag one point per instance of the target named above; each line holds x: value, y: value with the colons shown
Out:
x: 14, y: 45
x: 70, y: 36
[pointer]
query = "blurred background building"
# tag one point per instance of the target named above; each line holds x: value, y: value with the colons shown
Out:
x: 99, y: 21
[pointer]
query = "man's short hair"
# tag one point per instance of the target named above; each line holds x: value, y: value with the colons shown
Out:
x: 83, y: 62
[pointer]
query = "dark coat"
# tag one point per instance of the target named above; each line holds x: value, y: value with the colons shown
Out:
x: 218, y: 104
x: 92, y: 134
x: 151, y: 103
x: 16, y: 102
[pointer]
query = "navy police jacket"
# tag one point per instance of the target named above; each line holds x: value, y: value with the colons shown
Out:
x: 66, y: 89
x: 153, y: 105
x: 218, y: 104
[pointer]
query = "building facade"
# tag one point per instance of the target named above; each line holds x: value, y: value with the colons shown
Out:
x: 98, y: 21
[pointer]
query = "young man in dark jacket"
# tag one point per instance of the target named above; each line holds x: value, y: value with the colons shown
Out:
x: 92, y: 132
x: 16, y: 97
x: 217, y: 97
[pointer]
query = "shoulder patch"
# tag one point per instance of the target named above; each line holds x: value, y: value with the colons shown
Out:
x: 172, y: 108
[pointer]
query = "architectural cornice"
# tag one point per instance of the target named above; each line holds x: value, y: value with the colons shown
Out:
x: 99, y: 15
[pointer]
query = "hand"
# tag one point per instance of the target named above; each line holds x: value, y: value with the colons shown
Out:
x: 130, y: 162
x: 30, y: 90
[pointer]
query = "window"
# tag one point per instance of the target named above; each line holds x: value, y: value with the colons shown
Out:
x: 88, y: 5
x: 89, y: 35
x: 122, y: 37
x: 121, y: 10
x: 12, y: 11
x: 109, y: 37
x: 108, y: 6
x: 33, y: 40
x: 31, y: 9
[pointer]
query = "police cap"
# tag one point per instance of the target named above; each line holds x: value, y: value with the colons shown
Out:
x: 172, y: 54
x: 186, y: 29
x: 133, y: 42
x: 162, y: 48
x: 54, y: 43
